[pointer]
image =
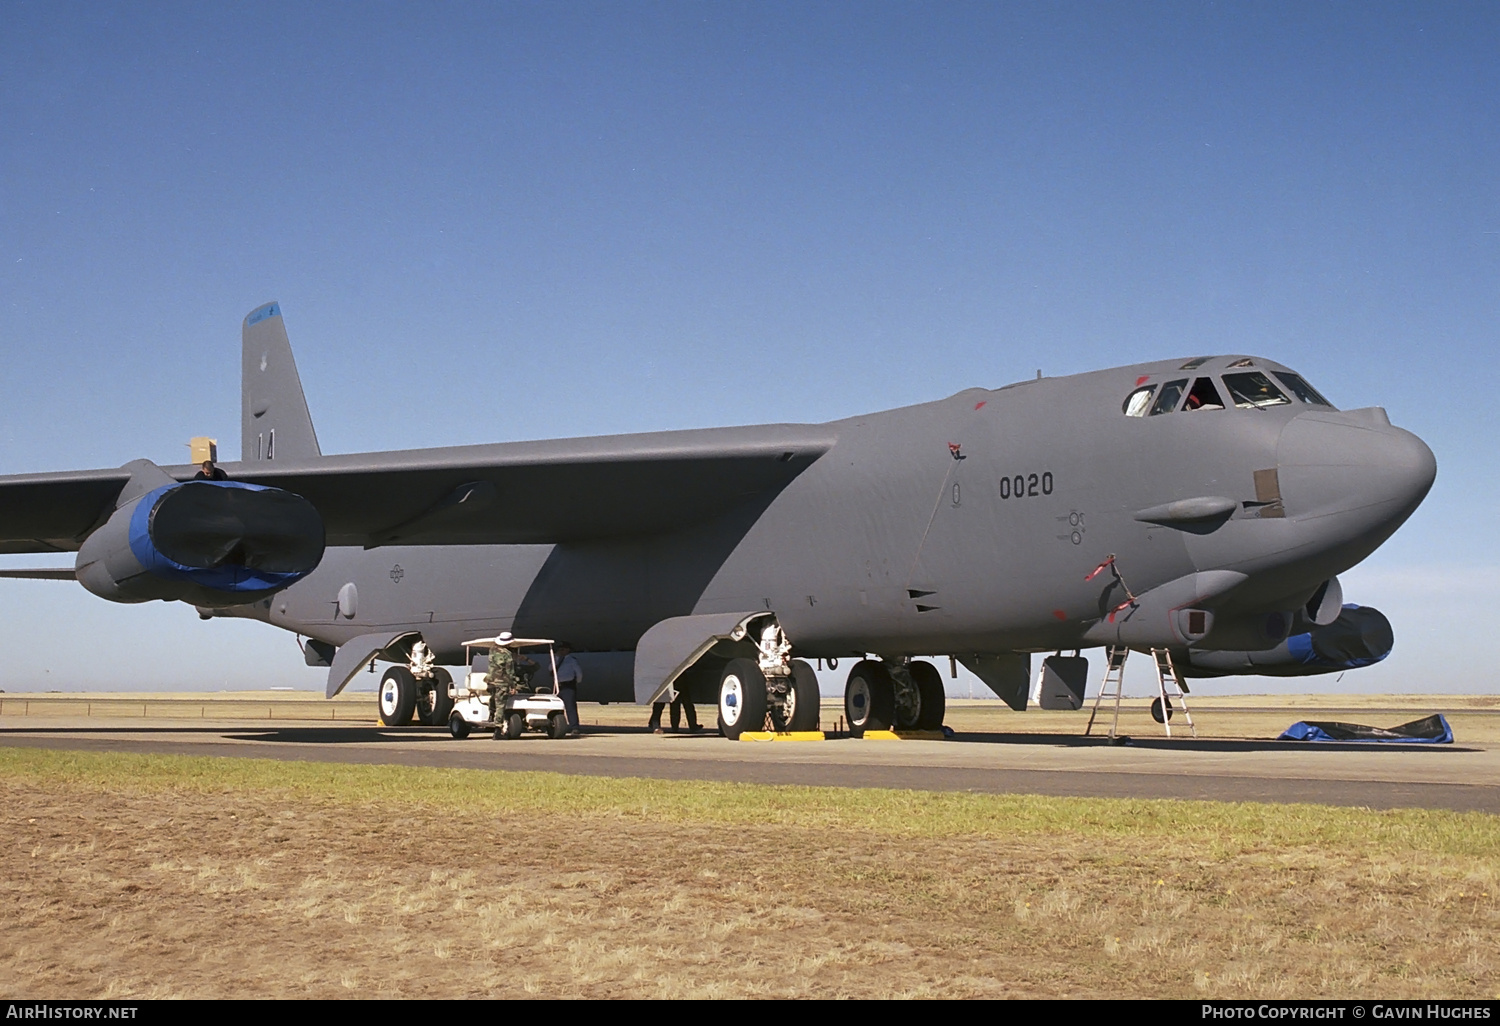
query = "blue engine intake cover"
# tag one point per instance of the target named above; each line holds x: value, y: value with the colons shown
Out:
x: 226, y: 536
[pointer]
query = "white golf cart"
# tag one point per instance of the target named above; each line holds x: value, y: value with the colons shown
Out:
x: 540, y: 710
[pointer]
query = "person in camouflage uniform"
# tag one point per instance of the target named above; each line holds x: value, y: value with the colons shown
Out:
x: 501, y: 677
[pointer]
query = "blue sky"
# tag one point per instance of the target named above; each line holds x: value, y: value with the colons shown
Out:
x: 633, y: 213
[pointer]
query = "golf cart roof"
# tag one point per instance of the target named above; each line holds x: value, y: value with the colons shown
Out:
x: 512, y: 643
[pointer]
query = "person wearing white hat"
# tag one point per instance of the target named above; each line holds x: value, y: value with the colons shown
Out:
x: 501, y: 676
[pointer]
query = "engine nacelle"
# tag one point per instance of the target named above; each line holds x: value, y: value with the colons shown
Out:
x: 211, y: 543
x: 1360, y: 636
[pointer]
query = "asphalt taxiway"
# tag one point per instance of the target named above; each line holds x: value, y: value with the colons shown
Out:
x: 1463, y: 777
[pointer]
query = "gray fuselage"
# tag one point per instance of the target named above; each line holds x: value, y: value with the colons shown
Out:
x: 967, y: 525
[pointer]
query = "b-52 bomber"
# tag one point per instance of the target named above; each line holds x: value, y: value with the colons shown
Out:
x: 1202, y: 507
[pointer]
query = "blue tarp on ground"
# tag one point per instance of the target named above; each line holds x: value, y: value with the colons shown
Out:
x: 1430, y: 730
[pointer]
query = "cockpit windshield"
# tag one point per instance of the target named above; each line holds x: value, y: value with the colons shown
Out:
x: 1247, y: 390
x: 1136, y: 402
x: 1253, y: 391
x: 1204, y: 396
x: 1171, y: 394
x: 1301, y: 389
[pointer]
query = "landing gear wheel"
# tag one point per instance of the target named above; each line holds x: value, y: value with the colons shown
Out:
x: 434, y: 699
x: 398, y: 697
x: 515, y: 726
x: 929, y: 684
x: 869, y: 698
x: 742, y: 698
x: 458, y: 727
x: 803, y: 699
x: 557, y: 726
x: 1156, y: 710
x: 908, y: 698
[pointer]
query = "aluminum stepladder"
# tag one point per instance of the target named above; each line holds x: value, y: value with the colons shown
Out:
x: 1169, y: 685
x: 1166, y: 673
x: 1114, y: 678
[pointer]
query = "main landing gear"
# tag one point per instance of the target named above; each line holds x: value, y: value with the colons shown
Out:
x: 772, y: 692
x: 892, y: 696
x: 419, y: 690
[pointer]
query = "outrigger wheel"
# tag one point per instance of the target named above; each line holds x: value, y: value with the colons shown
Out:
x: 1157, y: 713
x: 398, y: 697
x: 869, y: 698
x: 742, y: 698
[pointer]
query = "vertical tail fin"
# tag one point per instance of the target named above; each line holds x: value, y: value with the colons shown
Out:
x: 274, y: 422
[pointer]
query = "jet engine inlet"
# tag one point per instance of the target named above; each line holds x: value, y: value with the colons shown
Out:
x: 211, y: 543
x: 228, y: 524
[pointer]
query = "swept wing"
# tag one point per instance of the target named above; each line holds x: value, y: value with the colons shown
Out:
x: 512, y: 492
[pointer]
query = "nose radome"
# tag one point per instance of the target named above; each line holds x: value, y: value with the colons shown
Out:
x: 1331, y: 463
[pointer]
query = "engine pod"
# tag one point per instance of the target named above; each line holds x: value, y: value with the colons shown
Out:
x: 206, y: 542
x: 1360, y: 636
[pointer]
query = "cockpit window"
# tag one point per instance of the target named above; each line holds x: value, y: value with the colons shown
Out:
x: 1243, y: 362
x: 1136, y: 402
x: 1301, y: 389
x: 1253, y: 391
x: 1195, y: 363
x: 1204, y: 396
x: 1171, y: 392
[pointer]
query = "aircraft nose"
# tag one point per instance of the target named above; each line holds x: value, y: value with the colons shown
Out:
x: 1353, y: 463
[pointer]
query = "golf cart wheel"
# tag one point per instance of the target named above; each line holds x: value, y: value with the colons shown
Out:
x: 742, y: 698
x: 869, y: 698
x: 398, y: 697
x: 515, y: 726
x: 557, y: 726
x: 458, y: 727
x: 930, y: 686
x: 434, y: 698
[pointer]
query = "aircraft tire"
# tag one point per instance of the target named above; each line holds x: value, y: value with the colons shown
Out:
x: 458, y: 727
x: 742, y: 698
x: 929, y: 683
x: 515, y: 726
x: 434, y: 701
x: 869, y: 698
x: 1156, y: 710
x: 397, y: 697
x: 805, y: 697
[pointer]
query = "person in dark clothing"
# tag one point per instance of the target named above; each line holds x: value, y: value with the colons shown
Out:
x: 209, y: 472
x: 683, y: 704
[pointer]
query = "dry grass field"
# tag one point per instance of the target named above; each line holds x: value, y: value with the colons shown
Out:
x: 148, y: 876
